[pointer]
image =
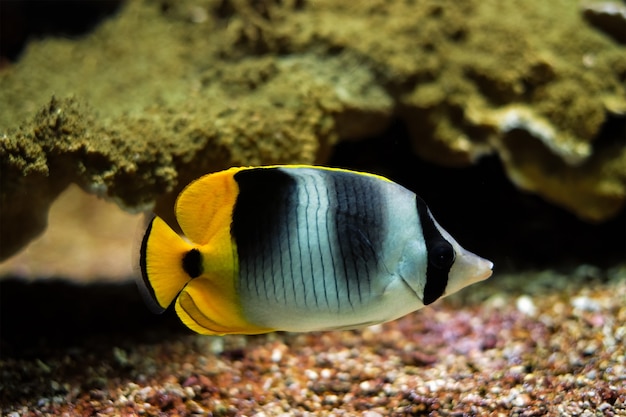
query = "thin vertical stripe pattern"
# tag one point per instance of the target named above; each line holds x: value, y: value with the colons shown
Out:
x: 307, y: 238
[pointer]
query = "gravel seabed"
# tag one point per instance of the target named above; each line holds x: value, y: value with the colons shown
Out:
x: 525, y: 344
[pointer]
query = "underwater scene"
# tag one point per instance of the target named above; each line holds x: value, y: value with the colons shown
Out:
x: 312, y: 208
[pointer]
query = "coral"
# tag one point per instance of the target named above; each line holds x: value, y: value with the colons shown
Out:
x: 166, y: 91
x: 608, y: 16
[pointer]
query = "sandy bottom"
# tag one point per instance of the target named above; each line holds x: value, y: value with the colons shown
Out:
x: 518, y: 345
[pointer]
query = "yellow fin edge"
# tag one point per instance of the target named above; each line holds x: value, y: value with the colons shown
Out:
x: 322, y: 168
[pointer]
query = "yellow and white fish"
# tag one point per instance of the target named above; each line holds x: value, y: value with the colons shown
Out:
x: 300, y: 248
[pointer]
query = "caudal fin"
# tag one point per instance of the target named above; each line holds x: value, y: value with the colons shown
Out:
x: 161, y: 263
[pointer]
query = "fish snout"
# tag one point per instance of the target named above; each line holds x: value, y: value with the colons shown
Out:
x: 467, y: 269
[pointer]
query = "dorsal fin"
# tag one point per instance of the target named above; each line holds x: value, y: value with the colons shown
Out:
x: 206, y: 205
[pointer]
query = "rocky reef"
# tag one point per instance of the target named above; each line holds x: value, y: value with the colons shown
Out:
x: 164, y: 91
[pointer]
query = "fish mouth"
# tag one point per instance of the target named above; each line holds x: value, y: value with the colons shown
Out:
x: 483, y: 268
x: 478, y: 269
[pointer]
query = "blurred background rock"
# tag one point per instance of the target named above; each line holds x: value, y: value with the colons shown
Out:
x: 508, y: 119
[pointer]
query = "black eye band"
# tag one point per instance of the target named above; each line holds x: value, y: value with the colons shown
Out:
x: 440, y: 255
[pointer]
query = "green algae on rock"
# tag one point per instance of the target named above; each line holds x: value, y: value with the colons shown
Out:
x: 134, y: 161
x: 180, y: 88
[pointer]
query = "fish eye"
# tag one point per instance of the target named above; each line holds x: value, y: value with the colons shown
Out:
x: 441, y: 255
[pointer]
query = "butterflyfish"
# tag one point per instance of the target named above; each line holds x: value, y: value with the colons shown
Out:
x: 299, y: 248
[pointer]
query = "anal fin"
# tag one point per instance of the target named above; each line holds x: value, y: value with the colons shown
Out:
x: 205, y: 309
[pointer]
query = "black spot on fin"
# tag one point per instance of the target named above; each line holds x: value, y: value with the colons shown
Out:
x: 192, y: 263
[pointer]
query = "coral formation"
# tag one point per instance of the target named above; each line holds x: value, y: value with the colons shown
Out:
x: 166, y: 91
x: 608, y: 16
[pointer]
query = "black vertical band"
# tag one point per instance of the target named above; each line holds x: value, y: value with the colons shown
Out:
x: 437, y: 249
x: 358, y: 205
x: 264, y: 210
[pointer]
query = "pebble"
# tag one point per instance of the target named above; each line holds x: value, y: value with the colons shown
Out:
x: 521, y: 400
x: 525, y: 305
x: 584, y: 303
x: 371, y: 414
x: 326, y: 373
x: 277, y: 355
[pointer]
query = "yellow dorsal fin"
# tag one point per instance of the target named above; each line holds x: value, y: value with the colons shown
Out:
x: 205, y: 206
x: 162, y: 252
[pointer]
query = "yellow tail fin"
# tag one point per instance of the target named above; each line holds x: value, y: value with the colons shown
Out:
x: 161, y: 262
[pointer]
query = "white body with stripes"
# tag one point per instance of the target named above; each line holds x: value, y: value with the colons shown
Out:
x: 312, y: 281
